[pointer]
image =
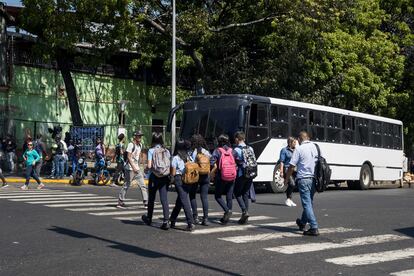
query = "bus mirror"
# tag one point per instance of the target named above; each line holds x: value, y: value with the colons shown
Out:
x: 171, y: 115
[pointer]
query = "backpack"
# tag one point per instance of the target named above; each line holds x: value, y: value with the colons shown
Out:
x: 191, y: 174
x: 250, y: 163
x: 227, y: 165
x: 322, y: 172
x: 125, y: 154
x: 161, y: 162
x: 38, y: 147
x: 203, y: 162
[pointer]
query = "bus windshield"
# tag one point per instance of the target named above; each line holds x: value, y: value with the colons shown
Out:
x: 210, y: 121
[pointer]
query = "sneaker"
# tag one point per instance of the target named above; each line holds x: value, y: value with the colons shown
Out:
x: 164, y: 225
x: 196, y: 220
x: 5, y: 185
x: 40, y: 186
x: 146, y: 220
x: 145, y: 204
x: 205, y: 222
x: 172, y: 224
x: 290, y: 203
x: 244, y: 218
x: 121, y: 205
x: 226, y: 217
x: 300, y: 224
x: 24, y: 187
x: 311, y: 232
x: 190, y: 228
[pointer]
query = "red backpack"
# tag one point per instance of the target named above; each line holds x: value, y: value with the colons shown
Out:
x: 227, y: 165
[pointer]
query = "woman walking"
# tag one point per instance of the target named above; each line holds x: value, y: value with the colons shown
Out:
x: 31, y: 157
x: 183, y: 189
x: 159, y: 165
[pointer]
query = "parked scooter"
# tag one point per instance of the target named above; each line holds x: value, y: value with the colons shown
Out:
x: 102, y: 176
x: 80, y: 171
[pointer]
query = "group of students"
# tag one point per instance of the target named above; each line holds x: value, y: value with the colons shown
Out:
x: 192, y: 167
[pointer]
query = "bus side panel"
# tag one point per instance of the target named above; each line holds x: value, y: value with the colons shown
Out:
x: 345, y: 173
x: 387, y: 174
x: 267, y: 160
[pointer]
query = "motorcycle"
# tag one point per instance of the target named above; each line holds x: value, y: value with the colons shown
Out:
x: 80, y: 172
x: 102, y: 175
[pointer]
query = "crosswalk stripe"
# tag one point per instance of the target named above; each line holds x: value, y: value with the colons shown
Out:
x: 114, y: 200
x: 89, y: 209
x: 59, y: 199
x: 242, y: 227
x: 313, y: 247
x: 46, y: 196
x: 403, y: 273
x: 279, y: 235
x: 124, y: 213
x: 180, y: 216
x: 37, y: 194
x: 373, y: 258
x: 4, y: 192
x: 88, y: 204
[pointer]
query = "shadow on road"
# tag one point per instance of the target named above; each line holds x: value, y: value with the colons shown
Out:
x: 134, y: 249
x: 409, y: 231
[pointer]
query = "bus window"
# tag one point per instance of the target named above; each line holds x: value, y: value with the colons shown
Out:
x: 387, y: 140
x: 348, y: 127
x: 362, y: 133
x: 317, y: 125
x: 298, y: 120
x: 375, y: 133
x: 333, y: 127
x: 279, y: 121
x: 397, y: 137
x: 258, y: 123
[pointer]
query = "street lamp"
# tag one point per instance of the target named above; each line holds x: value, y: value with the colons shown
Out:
x: 173, y: 77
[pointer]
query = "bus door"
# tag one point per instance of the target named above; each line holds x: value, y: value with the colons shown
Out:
x: 258, y: 126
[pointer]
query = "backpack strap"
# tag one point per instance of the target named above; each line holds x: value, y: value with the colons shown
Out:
x: 318, y: 149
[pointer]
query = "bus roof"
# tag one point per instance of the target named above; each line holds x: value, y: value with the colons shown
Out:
x: 299, y: 104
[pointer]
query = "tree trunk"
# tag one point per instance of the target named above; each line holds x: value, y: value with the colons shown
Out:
x: 63, y: 64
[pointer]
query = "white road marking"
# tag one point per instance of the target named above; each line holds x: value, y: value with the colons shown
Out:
x: 279, y: 235
x: 312, y: 247
x: 5, y: 192
x: 241, y: 227
x: 37, y: 194
x: 180, y: 216
x: 403, y: 273
x: 123, y: 213
x: 84, y: 200
x: 46, y: 196
x: 64, y: 198
x: 89, y: 204
x: 89, y: 209
x: 373, y: 258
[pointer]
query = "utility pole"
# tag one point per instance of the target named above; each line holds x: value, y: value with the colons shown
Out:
x: 173, y: 88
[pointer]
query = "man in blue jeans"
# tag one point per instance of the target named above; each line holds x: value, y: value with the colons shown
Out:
x: 304, y: 159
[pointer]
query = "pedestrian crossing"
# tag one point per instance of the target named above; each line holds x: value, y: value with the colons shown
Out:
x: 267, y: 232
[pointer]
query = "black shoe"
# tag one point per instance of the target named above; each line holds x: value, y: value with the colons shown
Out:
x: 196, y: 220
x: 205, y: 222
x: 172, y: 224
x: 244, y: 218
x: 146, y: 220
x: 165, y: 226
x: 311, y: 232
x: 226, y: 217
x: 300, y: 224
x: 190, y: 228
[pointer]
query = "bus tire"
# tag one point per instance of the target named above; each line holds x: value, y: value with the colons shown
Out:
x: 365, y: 178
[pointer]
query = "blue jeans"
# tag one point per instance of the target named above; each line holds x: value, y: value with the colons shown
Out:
x: 221, y: 188
x: 241, y: 192
x: 203, y: 183
x: 158, y: 184
x: 307, y: 188
x: 60, y: 165
x: 183, y: 200
x: 31, y: 172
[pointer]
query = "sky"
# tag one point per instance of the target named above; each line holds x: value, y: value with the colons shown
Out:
x: 12, y: 2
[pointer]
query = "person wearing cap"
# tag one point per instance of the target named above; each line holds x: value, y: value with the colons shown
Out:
x: 132, y: 171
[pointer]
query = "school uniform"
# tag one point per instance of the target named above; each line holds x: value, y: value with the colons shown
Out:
x: 203, y: 183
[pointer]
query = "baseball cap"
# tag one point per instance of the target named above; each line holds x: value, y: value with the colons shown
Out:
x: 138, y: 133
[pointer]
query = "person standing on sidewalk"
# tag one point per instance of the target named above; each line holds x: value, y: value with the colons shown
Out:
x: 304, y: 159
x: 133, y: 171
x: 284, y: 160
x: 40, y: 147
x: 59, y: 157
x: 31, y: 156
x: 10, y: 149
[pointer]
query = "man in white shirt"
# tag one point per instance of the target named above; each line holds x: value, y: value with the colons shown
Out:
x: 132, y: 171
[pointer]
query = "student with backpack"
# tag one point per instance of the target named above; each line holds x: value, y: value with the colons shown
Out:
x: 224, y: 174
x: 202, y: 157
x: 179, y: 172
x: 246, y: 172
x: 159, y: 165
x: 133, y: 171
x: 119, y: 159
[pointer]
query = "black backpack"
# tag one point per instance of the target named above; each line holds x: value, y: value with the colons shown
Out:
x: 322, y: 172
x: 250, y: 163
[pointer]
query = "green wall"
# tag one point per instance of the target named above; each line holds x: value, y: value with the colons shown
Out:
x: 35, y: 96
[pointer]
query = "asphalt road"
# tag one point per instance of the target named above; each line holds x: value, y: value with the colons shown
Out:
x: 67, y: 230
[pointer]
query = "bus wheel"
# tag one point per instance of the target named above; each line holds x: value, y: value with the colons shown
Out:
x: 278, y: 183
x: 365, y: 177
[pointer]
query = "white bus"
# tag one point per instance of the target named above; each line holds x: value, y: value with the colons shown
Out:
x: 361, y: 149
